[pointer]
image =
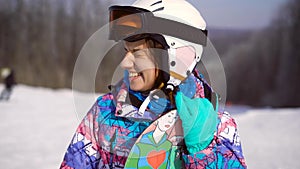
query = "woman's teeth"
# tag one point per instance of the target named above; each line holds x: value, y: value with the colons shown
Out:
x: 134, y: 74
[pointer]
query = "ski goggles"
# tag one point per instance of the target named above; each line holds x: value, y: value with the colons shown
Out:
x: 132, y: 23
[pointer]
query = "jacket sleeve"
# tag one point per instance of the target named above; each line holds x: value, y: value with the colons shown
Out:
x: 83, y: 149
x: 225, y: 150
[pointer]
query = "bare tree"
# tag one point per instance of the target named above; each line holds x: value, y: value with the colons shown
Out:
x: 265, y: 69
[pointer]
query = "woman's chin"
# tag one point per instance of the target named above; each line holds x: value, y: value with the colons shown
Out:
x: 136, y: 87
x: 139, y: 87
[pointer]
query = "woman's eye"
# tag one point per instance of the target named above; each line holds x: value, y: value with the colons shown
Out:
x: 138, y: 52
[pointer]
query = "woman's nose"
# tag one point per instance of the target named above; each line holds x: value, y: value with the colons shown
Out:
x: 128, y: 61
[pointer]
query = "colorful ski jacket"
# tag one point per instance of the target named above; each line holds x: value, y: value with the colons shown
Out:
x: 105, y: 138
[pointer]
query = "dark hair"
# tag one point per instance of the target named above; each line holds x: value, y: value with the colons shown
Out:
x: 160, y: 54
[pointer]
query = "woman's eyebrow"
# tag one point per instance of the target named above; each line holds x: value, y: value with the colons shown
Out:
x: 132, y: 50
x: 135, y: 49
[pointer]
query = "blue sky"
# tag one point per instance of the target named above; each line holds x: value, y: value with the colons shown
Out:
x: 242, y: 14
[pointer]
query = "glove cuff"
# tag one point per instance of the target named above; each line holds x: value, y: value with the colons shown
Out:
x: 193, y: 149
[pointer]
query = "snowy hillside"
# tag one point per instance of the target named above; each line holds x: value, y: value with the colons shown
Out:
x: 37, y: 125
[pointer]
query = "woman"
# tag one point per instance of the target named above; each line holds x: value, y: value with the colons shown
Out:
x: 159, y: 78
x: 9, y: 80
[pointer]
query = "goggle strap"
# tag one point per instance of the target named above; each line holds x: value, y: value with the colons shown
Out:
x: 179, y: 30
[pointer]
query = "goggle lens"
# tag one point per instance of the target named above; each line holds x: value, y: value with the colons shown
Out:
x: 124, y: 23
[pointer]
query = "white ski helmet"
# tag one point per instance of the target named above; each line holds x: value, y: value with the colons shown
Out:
x: 179, y: 23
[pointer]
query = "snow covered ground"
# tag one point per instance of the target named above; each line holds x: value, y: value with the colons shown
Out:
x: 37, y: 125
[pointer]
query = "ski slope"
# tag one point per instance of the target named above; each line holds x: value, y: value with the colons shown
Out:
x: 37, y: 125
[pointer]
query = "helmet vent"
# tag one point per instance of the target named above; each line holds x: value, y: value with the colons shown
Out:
x: 158, y: 2
x: 159, y: 9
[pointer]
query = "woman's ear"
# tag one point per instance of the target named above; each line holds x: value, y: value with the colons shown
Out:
x: 156, y: 70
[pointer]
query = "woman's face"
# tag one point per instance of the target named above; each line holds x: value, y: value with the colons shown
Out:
x: 140, y: 64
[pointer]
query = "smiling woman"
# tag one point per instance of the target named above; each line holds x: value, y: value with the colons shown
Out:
x: 160, y: 89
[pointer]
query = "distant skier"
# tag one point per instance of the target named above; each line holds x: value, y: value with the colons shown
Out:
x: 7, y: 75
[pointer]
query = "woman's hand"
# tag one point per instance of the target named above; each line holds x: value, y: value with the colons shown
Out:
x: 199, y: 121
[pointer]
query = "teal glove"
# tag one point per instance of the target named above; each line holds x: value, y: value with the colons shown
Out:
x: 199, y: 121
